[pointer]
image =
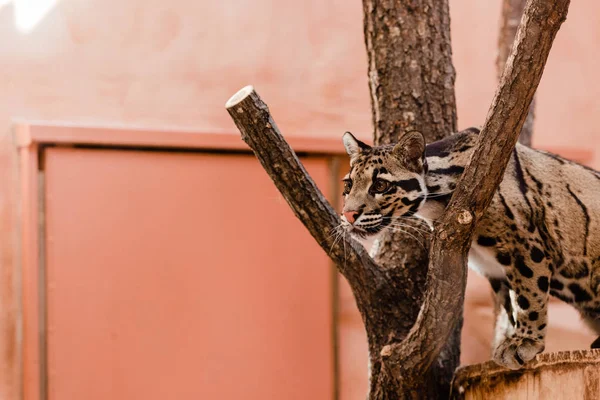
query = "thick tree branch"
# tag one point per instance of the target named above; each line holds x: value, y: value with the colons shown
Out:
x: 259, y: 131
x: 512, y: 11
x: 479, y: 182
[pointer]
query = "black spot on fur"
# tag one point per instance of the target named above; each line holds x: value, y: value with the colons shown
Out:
x: 536, y: 254
x: 522, y: 267
x: 561, y: 296
x: 496, y: 284
x: 554, y: 156
x: 503, y: 258
x: 586, y: 216
x: 543, y: 283
x: 437, y: 149
x: 486, y: 241
x: 576, y: 271
x: 452, y: 170
x: 537, y: 182
x: 554, y: 284
x: 533, y: 316
x: 580, y: 293
x: 519, y: 173
x: 409, y: 185
x: 523, y: 302
x: 542, y: 326
x: 507, y: 210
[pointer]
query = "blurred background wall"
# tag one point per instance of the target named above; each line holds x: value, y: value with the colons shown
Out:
x: 172, y: 65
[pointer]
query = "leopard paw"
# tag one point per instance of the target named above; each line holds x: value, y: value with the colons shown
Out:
x: 513, y: 352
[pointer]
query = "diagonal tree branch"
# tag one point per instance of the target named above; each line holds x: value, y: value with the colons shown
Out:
x: 259, y: 131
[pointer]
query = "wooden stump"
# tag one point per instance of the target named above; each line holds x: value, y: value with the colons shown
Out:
x: 565, y: 375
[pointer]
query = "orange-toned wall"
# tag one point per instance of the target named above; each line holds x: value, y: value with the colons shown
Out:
x: 173, y: 65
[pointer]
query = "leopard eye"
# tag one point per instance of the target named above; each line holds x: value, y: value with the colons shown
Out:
x: 347, y: 186
x: 380, y: 186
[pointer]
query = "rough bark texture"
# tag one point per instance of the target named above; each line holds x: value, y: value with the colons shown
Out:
x: 411, y: 75
x: 405, y: 362
x: 411, y: 81
x: 512, y: 11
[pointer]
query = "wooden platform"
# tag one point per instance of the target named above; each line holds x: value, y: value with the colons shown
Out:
x: 564, y: 375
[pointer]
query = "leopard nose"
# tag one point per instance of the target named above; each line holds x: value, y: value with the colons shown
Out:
x: 351, y: 216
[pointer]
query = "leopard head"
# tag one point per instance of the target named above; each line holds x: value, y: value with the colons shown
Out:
x: 384, y: 183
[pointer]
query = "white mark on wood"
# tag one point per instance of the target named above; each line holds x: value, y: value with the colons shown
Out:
x: 408, y: 116
x: 386, y: 351
x: 464, y: 217
x: 239, y: 96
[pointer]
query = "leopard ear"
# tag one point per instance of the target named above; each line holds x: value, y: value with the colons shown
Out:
x: 353, y: 146
x: 410, y: 150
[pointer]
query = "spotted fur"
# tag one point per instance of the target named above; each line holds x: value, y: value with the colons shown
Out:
x: 539, y: 237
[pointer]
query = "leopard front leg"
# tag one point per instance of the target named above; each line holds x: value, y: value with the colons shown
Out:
x: 528, y: 282
x: 504, y: 325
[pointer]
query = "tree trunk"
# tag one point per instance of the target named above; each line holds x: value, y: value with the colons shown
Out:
x: 411, y: 81
x: 512, y: 11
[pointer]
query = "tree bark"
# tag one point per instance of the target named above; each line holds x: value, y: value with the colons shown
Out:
x: 512, y: 11
x: 406, y: 361
x: 411, y: 76
x: 411, y: 82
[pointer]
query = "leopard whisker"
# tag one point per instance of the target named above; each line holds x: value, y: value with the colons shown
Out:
x: 402, y: 226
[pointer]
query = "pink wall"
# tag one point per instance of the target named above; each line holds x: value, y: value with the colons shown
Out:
x: 173, y: 64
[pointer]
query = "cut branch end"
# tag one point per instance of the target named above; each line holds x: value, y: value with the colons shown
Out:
x: 239, y: 96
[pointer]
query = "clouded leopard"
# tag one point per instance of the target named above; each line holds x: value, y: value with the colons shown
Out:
x: 539, y: 237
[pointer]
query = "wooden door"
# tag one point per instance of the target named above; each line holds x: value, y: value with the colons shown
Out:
x: 180, y: 275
